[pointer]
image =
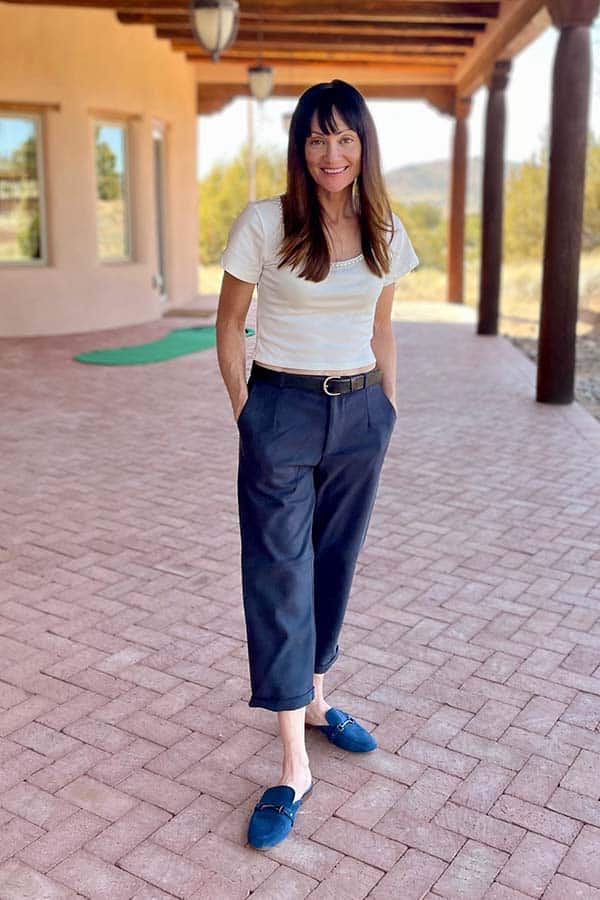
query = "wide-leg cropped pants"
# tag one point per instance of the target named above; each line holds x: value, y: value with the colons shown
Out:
x: 309, y: 466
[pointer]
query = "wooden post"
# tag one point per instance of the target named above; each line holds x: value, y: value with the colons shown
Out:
x: 564, y: 206
x: 458, y: 187
x: 493, y: 191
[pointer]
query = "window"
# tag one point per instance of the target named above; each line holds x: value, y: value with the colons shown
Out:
x: 112, y: 194
x: 22, y: 229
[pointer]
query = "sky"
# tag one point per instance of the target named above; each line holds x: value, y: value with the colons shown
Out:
x: 13, y: 133
x: 412, y: 131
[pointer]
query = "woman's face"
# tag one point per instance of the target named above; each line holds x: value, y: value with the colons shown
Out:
x: 333, y: 160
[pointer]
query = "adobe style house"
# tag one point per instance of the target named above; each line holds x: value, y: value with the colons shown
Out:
x: 98, y: 199
x: 98, y: 106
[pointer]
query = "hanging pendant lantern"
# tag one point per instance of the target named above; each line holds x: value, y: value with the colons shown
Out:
x: 260, y: 77
x: 214, y: 24
x: 260, y: 80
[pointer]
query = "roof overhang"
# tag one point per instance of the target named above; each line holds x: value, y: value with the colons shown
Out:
x: 440, y: 51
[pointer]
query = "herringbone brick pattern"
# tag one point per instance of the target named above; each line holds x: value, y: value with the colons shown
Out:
x: 129, y: 759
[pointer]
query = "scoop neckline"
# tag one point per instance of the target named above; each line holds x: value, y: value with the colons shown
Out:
x: 346, y: 262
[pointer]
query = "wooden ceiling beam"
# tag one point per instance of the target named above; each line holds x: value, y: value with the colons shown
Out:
x: 410, y: 76
x: 301, y: 56
x: 376, y: 91
x: 497, y: 42
x: 281, y: 44
x: 406, y: 13
x: 293, y: 73
x: 212, y: 98
x: 400, y: 29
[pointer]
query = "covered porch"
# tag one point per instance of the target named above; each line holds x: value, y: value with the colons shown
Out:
x: 438, y: 51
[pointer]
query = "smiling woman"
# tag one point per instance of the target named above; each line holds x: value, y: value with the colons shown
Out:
x: 315, y: 417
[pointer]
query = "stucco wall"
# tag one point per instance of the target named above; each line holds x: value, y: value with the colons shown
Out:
x: 86, y: 60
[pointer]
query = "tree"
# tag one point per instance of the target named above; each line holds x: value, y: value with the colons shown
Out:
x: 223, y: 193
x: 24, y: 161
x: 24, y: 158
x: 109, y: 182
x: 28, y: 234
x: 427, y: 229
x: 591, y: 211
x: 525, y: 205
x: 525, y: 210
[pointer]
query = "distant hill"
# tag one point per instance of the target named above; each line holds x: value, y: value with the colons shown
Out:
x: 430, y: 183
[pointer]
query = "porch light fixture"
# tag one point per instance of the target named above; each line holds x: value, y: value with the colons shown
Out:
x: 260, y: 77
x: 215, y: 24
x: 260, y: 81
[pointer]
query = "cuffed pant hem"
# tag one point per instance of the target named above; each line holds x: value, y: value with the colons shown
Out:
x: 281, y: 705
x: 324, y: 667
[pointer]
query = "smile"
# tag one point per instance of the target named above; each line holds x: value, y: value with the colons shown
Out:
x: 335, y: 171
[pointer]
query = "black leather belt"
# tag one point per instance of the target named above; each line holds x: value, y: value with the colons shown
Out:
x: 332, y: 385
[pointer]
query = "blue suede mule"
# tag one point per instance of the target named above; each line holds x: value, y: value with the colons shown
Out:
x: 274, y: 816
x: 345, y: 732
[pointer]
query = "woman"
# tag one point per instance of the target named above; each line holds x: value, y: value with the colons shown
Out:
x: 315, y: 418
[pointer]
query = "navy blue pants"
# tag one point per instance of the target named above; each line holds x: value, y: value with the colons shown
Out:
x: 308, y: 472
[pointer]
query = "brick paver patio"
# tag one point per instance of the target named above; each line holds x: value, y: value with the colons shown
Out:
x: 129, y: 759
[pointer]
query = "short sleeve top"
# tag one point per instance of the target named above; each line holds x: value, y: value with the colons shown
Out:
x: 325, y: 325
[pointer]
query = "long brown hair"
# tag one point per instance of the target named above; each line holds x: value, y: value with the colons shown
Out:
x: 304, y: 245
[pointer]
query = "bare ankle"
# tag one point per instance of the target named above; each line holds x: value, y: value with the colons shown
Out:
x: 297, y: 777
x: 317, y: 703
x: 295, y: 761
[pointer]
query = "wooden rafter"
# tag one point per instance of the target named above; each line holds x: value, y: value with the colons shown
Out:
x: 290, y: 27
x: 281, y: 41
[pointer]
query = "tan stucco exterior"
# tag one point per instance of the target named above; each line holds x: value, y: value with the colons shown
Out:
x: 86, y: 61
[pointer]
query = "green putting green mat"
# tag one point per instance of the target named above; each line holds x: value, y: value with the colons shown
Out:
x: 177, y: 343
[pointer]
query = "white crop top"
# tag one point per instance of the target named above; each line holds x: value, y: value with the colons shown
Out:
x: 300, y: 324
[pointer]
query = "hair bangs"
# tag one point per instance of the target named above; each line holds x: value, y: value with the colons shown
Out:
x: 340, y: 101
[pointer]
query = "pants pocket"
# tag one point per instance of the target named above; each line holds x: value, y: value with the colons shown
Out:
x: 388, y: 402
x: 242, y: 414
x: 253, y: 398
x: 380, y: 408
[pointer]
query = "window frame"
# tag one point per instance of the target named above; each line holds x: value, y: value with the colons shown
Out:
x: 39, y: 122
x: 124, y: 124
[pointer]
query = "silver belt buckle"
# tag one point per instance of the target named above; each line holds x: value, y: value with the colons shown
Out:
x: 327, y: 391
